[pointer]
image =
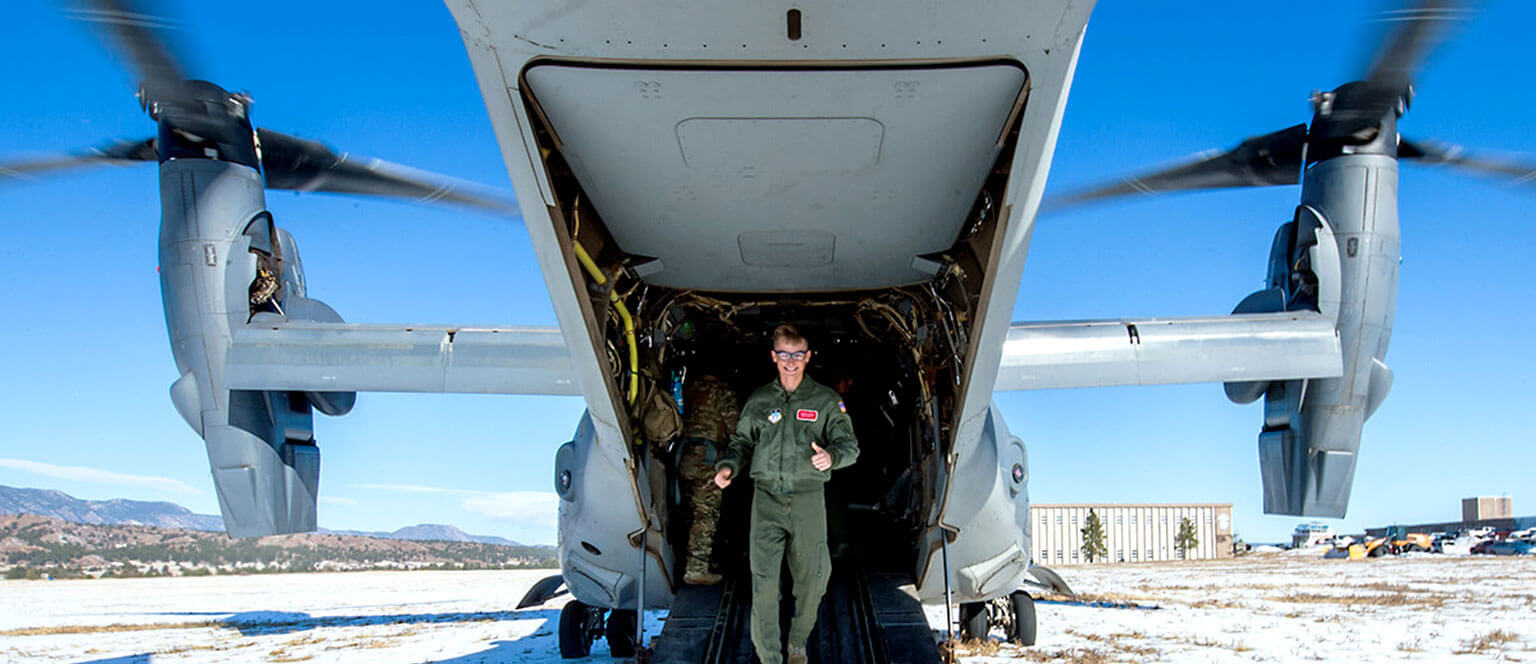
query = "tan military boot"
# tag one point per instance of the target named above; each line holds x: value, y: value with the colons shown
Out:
x: 698, y: 578
x: 797, y: 655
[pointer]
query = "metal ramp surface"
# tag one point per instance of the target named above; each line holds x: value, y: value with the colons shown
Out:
x: 863, y: 619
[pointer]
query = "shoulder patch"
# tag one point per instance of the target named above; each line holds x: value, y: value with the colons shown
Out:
x: 807, y: 415
x: 841, y: 407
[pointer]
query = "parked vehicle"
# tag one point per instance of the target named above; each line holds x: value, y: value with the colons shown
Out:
x: 1398, y: 540
x: 1511, y: 547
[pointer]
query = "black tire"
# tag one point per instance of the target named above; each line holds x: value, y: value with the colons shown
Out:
x: 620, y: 632
x: 575, y: 638
x: 974, y: 621
x: 1023, y: 605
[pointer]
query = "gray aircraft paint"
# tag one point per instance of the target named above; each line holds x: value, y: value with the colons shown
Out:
x: 267, y: 470
x: 261, y: 449
x: 502, y: 39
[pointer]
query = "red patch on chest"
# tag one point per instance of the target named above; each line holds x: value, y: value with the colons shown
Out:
x: 805, y: 415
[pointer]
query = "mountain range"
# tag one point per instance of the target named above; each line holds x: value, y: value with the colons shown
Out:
x: 119, y: 511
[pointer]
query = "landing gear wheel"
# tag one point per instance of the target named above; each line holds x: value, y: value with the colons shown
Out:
x: 579, y: 625
x: 621, y: 633
x: 1022, y: 631
x: 974, y: 620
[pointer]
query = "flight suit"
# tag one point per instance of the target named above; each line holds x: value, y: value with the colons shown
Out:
x: 709, y: 415
x: 789, y: 513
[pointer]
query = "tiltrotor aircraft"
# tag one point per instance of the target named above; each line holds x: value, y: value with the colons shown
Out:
x: 692, y: 176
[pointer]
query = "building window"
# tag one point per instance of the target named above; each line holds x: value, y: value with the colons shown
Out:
x: 1120, y: 555
x: 1165, y: 519
x: 1058, y: 555
x: 1133, y: 554
x: 1074, y: 519
x: 1133, y: 519
x: 1118, y: 518
x: 1074, y: 555
x: 1149, y: 554
x: 1045, y: 554
x: 1045, y: 520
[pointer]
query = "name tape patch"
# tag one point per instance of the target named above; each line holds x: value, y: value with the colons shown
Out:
x: 806, y: 415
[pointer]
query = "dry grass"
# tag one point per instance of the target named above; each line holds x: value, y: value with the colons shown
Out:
x: 1213, y: 603
x: 977, y: 647
x: 1067, y: 656
x: 1395, y: 599
x: 1485, y: 642
x: 116, y: 627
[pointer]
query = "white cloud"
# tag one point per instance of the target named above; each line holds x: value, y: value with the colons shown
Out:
x: 528, y: 509
x: 98, y: 476
x: 337, y: 500
x: 413, y: 488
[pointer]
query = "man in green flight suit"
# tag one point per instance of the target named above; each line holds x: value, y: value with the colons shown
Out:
x: 792, y: 433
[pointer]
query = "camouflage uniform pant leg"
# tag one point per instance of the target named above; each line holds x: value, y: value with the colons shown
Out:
x: 704, y: 497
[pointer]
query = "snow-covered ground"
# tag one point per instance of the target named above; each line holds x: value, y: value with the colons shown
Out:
x: 1267, y: 608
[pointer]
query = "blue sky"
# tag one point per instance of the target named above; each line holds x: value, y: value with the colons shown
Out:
x: 86, y: 364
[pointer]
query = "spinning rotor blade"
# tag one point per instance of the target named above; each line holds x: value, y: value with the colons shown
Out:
x: 1418, y: 30
x: 289, y: 162
x: 1271, y: 159
x: 201, y: 120
x: 1430, y: 152
x: 114, y: 153
x: 1354, y: 114
x: 134, y: 30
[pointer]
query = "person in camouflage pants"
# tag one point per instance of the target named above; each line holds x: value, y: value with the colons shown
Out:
x: 709, y: 415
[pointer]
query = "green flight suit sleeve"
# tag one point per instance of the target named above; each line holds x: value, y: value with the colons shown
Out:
x: 838, y: 433
x: 739, y: 451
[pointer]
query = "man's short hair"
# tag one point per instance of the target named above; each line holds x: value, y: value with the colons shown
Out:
x: 788, y: 334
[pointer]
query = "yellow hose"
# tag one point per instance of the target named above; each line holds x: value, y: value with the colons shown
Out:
x: 629, y: 322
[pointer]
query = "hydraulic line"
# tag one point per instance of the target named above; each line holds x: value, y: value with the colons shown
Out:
x: 629, y: 322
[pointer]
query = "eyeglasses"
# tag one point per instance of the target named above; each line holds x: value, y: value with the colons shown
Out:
x: 786, y: 356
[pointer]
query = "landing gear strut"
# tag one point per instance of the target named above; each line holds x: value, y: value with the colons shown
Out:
x: 1015, y: 613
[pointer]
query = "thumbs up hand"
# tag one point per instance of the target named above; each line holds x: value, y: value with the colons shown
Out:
x: 820, y: 460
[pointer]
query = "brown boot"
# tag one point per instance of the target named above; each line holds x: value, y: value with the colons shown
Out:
x: 797, y: 655
x: 697, y: 578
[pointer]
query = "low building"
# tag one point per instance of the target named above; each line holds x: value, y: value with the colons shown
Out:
x: 1486, y: 507
x: 1481, y: 512
x: 1311, y: 534
x: 1132, y: 533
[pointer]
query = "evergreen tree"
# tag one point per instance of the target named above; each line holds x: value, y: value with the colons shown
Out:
x: 1186, y: 540
x: 1094, y: 547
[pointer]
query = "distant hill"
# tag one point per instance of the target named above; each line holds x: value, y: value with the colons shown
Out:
x: 121, y: 512
x: 60, y: 505
x: 30, y: 543
x: 429, y: 532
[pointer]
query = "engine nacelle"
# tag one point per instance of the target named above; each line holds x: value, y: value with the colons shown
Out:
x: 221, y: 264
x: 1340, y: 259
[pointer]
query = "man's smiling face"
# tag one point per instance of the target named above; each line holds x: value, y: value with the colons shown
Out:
x: 791, y: 369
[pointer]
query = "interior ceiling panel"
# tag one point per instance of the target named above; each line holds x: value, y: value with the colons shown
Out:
x: 860, y: 169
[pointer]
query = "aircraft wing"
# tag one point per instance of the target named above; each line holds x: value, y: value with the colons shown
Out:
x: 1158, y: 351
x: 344, y: 357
